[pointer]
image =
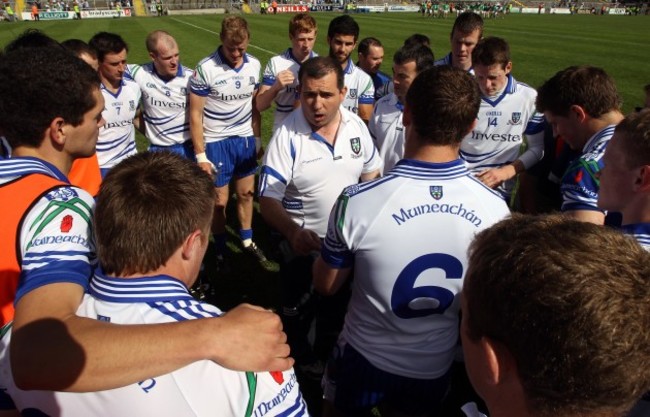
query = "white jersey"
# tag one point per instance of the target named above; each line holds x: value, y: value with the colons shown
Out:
x: 202, y: 388
x: 501, y: 125
x: 640, y: 232
x: 361, y: 90
x: 229, y: 106
x: 387, y: 130
x: 165, y: 104
x: 406, y: 235
x: 306, y: 173
x: 116, y: 138
x: 285, y: 99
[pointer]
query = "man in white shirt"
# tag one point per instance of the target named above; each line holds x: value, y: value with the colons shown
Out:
x: 386, y: 125
x: 405, y: 236
x: 164, y: 83
x: 319, y: 149
x: 342, y: 37
x: 280, y: 79
x: 143, y: 278
x: 225, y: 127
x: 122, y: 98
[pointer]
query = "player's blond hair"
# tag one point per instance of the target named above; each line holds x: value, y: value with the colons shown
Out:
x: 302, y: 23
x: 234, y: 28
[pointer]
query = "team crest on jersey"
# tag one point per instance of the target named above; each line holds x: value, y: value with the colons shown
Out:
x: 184, y: 91
x: 353, y: 93
x: 436, y: 191
x: 355, y: 143
x: 515, y: 119
x: 63, y: 194
x: 132, y: 105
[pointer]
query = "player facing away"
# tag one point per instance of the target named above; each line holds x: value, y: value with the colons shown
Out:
x: 319, y: 149
x: 509, y: 134
x: 50, y: 122
x: 122, y: 97
x: 583, y: 107
x: 164, y: 83
x: 465, y: 34
x: 280, y: 79
x: 386, y: 125
x: 370, y: 57
x: 573, y: 345
x: 225, y: 127
x: 143, y: 277
x: 342, y: 36
x: 409, y: 258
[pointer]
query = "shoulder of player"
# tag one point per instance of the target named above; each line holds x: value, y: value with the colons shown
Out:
x: 352, y: 120
x: 253, y: 60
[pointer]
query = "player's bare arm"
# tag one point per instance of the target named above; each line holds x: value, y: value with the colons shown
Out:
x: 328, y: 280
x: 370, y: 175
x: 197, y: 104
x: 303, y: 241
x: 365, y: 112
x: 257, y: 126
x: 268, y: 93
x: 53, y: 349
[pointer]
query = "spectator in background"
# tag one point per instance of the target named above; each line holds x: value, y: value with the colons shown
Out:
x: 370, y: 58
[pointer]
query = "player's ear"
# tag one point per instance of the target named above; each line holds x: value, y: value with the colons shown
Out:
x: 642, y: 182
x: 152, y: 55
x: 578, y: 112
x: 56, y: 131
x: 500, y: 363
x: 508, y: 67
x: 192, y: 244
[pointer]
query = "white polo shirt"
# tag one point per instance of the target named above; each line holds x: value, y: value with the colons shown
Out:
x: 306, y: 173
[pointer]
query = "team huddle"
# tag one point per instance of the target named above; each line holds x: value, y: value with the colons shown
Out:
x: 404, y: 274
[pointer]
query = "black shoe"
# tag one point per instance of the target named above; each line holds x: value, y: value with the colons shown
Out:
x: 256, y: 252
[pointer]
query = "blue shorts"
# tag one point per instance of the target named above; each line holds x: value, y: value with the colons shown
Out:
x: 355, y: 386
x: 233, y: 157
x: 185, y: 149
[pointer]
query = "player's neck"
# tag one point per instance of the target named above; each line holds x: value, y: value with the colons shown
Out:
x: 62, y: 161
x: 112, y: 86
x: 430, y: 153
x: 330, y: 130
x: 596, y: 124
x: 637, y: 211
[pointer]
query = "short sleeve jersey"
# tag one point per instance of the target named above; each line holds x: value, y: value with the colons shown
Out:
x: 229, y: 106
x: 164, y: 104
x: 117, y: 137
x: 202, y: 388
x: 54, y: 240
x: 303, y: 171
x: 387, y: 130
x: 406, y: 235
x: 580, y: 184
x: 501, y: 125
x: 360, y: 88
x: 286, y: 98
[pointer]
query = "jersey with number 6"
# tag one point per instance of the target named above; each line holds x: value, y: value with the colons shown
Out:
x: 406, y: 235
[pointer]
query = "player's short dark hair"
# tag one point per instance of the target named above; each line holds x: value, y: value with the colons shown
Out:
x: 302, y: 23
x: 421, y: 54
x: 366, y: 43
x: 343, y: 25
x: 105, y: 43
x: 468, y: 22
x: 318, y: 67
x: 589, y: 87
x: 491, y: 51
x: 31, y: 38
x: 569, y: 301
x: 79, y: 47
x: 633, y: 132
x: 140, y: 221
x: 32, y: 94
x: 443, y: 103
x: 418, y: 39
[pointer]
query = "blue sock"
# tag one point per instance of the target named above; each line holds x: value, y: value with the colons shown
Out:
x: 246, y: 236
